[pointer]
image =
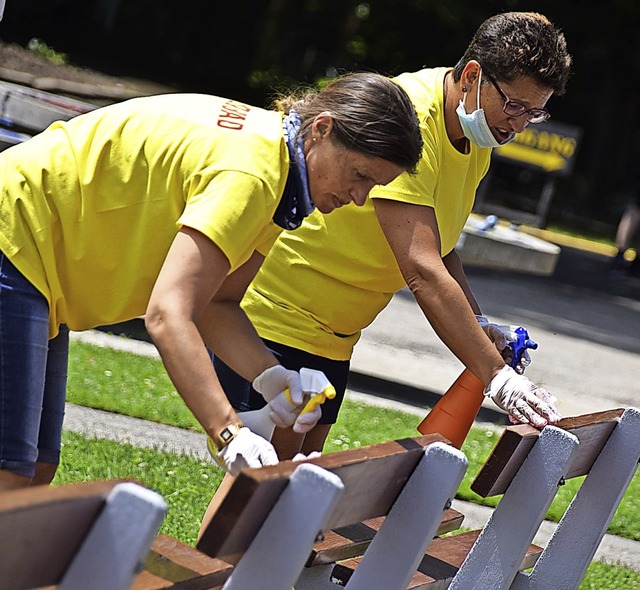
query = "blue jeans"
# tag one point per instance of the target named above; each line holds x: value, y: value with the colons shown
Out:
x: 33, y: 376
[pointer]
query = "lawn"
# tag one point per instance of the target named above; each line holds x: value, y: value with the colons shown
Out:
x: 138, y: 386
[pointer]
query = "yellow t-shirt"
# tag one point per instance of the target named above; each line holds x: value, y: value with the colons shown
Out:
x: 323, y: 284
x: 89, y: 207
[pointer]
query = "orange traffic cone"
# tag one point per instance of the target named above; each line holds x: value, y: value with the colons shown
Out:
x: 453, y: 415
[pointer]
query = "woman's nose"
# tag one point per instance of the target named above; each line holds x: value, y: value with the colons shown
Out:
x: 518, y: 124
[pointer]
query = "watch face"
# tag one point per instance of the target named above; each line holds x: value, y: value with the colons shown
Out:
x: 226, y: 434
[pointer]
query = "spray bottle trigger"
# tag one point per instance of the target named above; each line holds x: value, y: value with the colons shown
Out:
x: 319, y: 398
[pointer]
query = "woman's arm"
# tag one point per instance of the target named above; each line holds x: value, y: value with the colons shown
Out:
x: 193, y: 302
x: 193, y: 271
x: 227, y: 330
x: 454, y: 266
x: 412, y: 233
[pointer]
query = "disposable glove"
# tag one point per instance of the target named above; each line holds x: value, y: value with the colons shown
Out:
x: 303, y: 457
x: 282, y: 390
x: 501, y: 336
x: 247, y: 449
x: 317, y: 389
x: 305, y: 422
x: 523, y: 400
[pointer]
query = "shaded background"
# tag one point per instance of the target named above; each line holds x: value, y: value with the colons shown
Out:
x: 246, y: 48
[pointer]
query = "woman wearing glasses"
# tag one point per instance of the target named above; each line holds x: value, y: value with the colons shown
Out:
x: 310, y: 304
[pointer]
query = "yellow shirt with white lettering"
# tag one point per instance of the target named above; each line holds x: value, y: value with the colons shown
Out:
x: 323, y: 284
x: 90, y: 207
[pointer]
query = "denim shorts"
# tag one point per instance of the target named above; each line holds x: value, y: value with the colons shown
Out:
x: 33, y: 376
x: 243, y: 397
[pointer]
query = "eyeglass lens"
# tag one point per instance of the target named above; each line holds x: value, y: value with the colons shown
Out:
x: 515, y: 109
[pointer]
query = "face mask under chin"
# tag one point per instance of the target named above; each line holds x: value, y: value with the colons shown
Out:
x: 475, y: 127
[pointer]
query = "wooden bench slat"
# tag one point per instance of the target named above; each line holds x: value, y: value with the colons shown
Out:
x: 441, y: 562
x: 255, y: 491
x: 173, y: 564
x: 50, y: 523
x: 352, y: 540
x: 592, y: 430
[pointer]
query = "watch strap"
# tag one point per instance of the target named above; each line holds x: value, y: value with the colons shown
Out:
x: 226, y: 435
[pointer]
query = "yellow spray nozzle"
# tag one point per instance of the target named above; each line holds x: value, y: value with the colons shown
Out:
x: 315, y: 383
x: 287, y: 394
x: 329, y: 392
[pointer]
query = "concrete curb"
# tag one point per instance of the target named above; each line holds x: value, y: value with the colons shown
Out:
x: 150, y: 435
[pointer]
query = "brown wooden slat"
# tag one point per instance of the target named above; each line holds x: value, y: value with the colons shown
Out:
x: 255, y: 491
x: 42, y: 528
x: 441, y: 562
x: 173, y: 564
x: 592, y: 430
x: 352, y: 540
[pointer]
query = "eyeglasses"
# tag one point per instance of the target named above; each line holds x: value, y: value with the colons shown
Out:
x: 514, y: 108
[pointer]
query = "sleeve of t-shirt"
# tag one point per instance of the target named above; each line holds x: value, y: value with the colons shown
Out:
x: 232, y: 209
x: 419, y: 188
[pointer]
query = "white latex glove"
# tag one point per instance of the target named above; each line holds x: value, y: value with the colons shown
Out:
x: 523, y: 400
x: 247, y: 449
x: 271, y: 384
x: 303, y: 457
x: 501, y: 336
x: 305, y: 422
x: 317, y: 388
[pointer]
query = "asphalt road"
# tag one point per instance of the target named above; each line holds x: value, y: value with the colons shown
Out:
x: 586, y: 322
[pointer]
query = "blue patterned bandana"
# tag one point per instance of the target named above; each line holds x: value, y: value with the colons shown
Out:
x: 296, y: 202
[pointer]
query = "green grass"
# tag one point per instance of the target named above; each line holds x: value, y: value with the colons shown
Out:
x: 125, y: 383
x: 185, y: 483
x: 138, y: 386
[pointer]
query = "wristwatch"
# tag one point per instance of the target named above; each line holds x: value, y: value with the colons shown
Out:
x: 226, y: 435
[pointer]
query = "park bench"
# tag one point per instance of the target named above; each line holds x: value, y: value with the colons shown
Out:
x: 526, y: 467
x: 264, y: 531
x: 76, y: 536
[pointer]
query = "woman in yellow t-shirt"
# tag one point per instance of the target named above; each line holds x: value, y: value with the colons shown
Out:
x: 310, y: 304
x: 165, y: 206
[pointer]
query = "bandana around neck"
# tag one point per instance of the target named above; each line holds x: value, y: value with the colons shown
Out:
x: 296, y: 202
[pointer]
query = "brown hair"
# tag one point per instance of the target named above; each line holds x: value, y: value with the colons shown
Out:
x: 516, y: 44
x: 371, y: 114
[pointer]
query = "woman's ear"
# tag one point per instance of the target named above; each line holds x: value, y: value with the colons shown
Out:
x: 321, y: 126
x: 470, y: 74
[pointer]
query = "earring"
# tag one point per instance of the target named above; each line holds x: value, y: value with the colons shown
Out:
x: 464, y: 89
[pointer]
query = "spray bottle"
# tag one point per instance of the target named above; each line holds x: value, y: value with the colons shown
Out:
x: 313, y: 382
x: 455, y: 412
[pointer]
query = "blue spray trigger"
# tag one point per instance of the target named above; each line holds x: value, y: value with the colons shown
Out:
x: 520, y: 345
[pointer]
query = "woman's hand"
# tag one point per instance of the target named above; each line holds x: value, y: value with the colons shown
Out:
x: 523, y: 400
x: 247, y: 449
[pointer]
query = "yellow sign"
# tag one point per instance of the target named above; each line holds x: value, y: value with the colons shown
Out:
x: 550, y: 147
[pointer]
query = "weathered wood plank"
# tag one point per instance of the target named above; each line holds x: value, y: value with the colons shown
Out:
x: 373, y: 478
x: 592, y: 430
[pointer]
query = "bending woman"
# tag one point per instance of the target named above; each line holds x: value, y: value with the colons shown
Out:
x: 165, y: 206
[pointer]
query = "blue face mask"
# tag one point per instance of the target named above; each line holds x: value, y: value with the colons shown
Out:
x: 475, y: 127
